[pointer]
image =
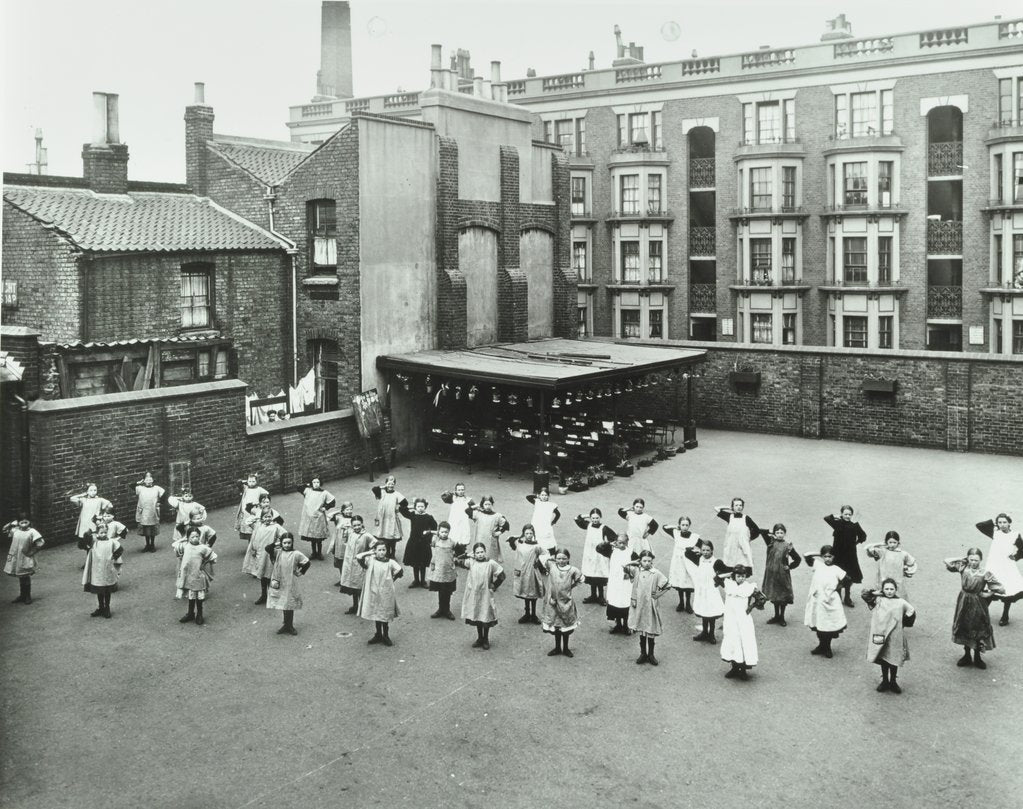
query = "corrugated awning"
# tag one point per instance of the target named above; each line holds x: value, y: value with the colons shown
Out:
x: 554, y: 364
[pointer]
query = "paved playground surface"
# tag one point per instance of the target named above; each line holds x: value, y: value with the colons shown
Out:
x: 142, y: 711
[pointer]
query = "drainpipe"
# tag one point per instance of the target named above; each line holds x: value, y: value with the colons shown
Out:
x: 270, y: 198
x: 26, y: 455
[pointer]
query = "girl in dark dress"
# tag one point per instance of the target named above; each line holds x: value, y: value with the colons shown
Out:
x: 846, y: 535
x: 971, y: 625
x: 781, y: 558
x: 417, y: 549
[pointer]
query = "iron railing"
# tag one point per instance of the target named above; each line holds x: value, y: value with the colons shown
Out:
x: 703, y: 298
x: 944, y: 238
x: 702, y: 241
x: 944, y: 302
x: 945, y: 159
x: 701, y: 172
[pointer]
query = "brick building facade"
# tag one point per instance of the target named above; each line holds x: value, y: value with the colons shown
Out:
x: 859, y: 193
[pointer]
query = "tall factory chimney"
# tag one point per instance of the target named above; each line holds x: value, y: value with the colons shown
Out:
x: 335, y: 75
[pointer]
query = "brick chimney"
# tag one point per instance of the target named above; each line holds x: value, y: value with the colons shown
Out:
x: 105, y: 160
x: 334, y: 79
x: 837, y: 28
x: 198, y: 130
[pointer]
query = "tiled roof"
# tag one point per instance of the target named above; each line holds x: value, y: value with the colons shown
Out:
x: 139, y: 221
x: 269, y: 161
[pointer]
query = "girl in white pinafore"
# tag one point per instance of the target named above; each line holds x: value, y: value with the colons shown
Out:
x: 639, y: 526
x: 705, y: 569
x: 619, y: 586
x: 679, y: 576
x: 824, y: 613
x: 738, y: 637
x: 147, y: 510
x: 100, y: 574
x: 312, y: 525
x: 288, y: 566
x: 736, y: 549
x: 389, y: 505
x: 1002, y: 557
x: 545, y: 515
x: 458, y: 516
x: 595, y: 567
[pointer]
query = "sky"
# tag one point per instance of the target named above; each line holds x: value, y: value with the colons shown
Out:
x: 258, y: 57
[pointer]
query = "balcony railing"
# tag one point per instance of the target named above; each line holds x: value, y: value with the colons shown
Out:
x: 703, y: 298
x: 696, y: 67
x: 517, y: 88
x: 639, y: 73
x: 702, y: 241
x: 944, y: 238
x: 768, y: 58
x: 701, y: 172
x: 1010, y: 30
x: 357, y: 105
x: 945, y: 302
x: 317, y: 110
x: 566, y: 81
x: 864, y: 47
x: 401, y: 100
x: 945, y: 159
x: 944, y: 36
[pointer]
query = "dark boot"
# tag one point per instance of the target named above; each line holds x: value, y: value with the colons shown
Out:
x: 777, y: 615
x: 884, y: 685
x: 1004, y: 620
x: 819, y: 650
x: 894, y: 682
x: 387, y: 635
x: 25, y: 587
x: 732, y: 672
x: 190, y: 615
x: 781, y: 615
x: 564, y: 646
x: 264, y: 587
x: 650, y: 652
x: 681, y: 602
x: 642, y: 651
x: 977, y: 662
x: 352, y: 610
x: 198, y: 613
x: 557, y: 645
x: 479, y: 637
x: 966, y: 659
x: 486, y: 638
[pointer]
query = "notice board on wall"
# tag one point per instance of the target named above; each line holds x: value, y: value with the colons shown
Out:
x: 369, y: 417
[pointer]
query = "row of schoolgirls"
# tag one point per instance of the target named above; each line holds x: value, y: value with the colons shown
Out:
x: 618, y: 569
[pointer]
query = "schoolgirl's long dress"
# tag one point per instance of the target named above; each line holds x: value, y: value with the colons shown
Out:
x: 389, y: 527
x: 312, y: 525
x: 647, y: 587
x: 255, y: 560
x: 288, y: 567
x: 486, y: 522
x: 887, y: 640
x: 707, y: 602
x: 559, y: 611
x: 89, y: 507
x: 1002, y: 557
x: 545, y: 515
x: 780, y: 560
x: 679, y: 576
x: 147, y: 510
x: 195, y: 570
x: 461, y: 526
x: 483, y: 578
x: 244, y: 518
x: 528, y: 584
x: 845, y: 536
x: 378, y: 601
x: 739, y: 638
x: 740, y: 529
x: 897, y: 565
x: 971, y: 624
x: 638, y: 527
x: 824, y: 613
x: 619, y: 586
x: 352, y: 573
x: 594, y: 565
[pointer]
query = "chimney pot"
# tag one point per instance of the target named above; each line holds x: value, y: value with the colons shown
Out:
x: 477, y: 86
x: 436, y: 56
x: 200, y: 93
x: 453, y: 80
x: 495, y: 72
x: 107, y: 127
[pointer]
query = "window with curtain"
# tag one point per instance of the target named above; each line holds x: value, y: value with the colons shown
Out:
x: 760, y: 189
x: 854, y: 332
x: 761, y: 328
x: 630, y: 262
x: 760, y: 261
x: 653, y: 193
x: 630, y: 193
x: 855, y: 259
x: 788, y: 260
x: 196, y: 296
x: 655, y: 261
x: 322, y: 221
x: 855, y: 183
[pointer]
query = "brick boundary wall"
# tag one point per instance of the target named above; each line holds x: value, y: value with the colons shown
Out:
x: 953, y: 401
x: 111, y: 440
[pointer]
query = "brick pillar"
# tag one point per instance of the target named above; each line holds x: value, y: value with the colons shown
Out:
x: 957, y: 404
x: 810, y: 392
x: 452, y: 320
x: 512, y: 287
x: 565, y: 277
x: 198, y: 130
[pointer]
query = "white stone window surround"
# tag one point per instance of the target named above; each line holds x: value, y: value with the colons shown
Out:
x: 769, y: 303
x: 872, y: 159
x: 872, y: 231
x: 856, y: 88
x: 871, y: 306
x: 777, y: 232
x: 776, y: 164
x: 644, y: 304
x: 962, y: 102
x: 643, y: 234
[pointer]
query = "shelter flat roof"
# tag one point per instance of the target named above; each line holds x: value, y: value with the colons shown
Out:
x: 554, y: 364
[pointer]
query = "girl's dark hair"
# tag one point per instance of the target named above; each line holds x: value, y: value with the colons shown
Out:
x: 687, y: 518
x: 707, y: 544
x: 975, y: 552
x: 644, y: 553
x: 358, y: 517
x: 192, y: 529
x: 422, y: 500
x: 287, y: 535
x: 894, y: 583
x: 843, y: 508
x: 1005, y: 516
x: 639, y: 500
x: 827, y: 549
x: 740, y: 500
x: 558, y: 551
x: 778, y: 526
x: 596, y: 511
x: 528, y: 525
x: 443, y: 524
x: 478, y: 545
x: 742, y: 570
x: 487, y: 498
x: 892, y: 535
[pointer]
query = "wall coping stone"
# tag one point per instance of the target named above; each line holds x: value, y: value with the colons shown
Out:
x: 46, y: 406
x: 836, y: 351
x: 302, y: 421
